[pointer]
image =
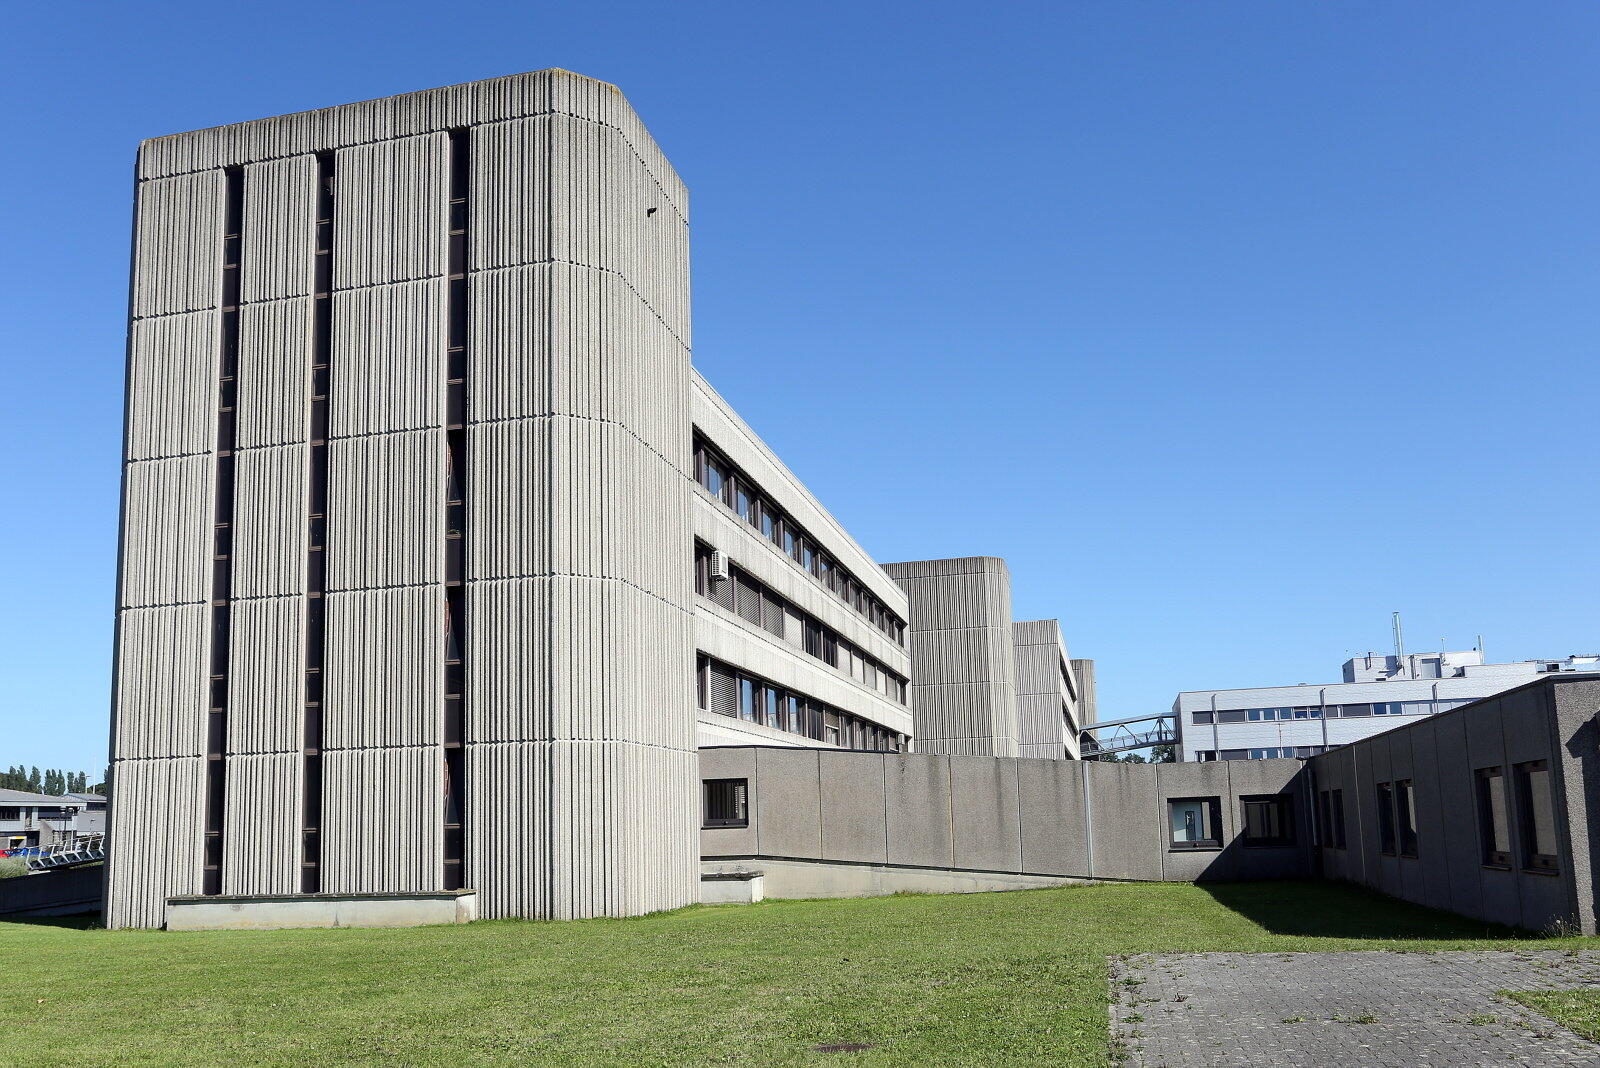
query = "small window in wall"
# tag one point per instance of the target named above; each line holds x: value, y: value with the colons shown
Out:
x: 1202, y: 717
x: 1405, y: 806
x: 1386, y: 818
x: 726, y: 802
x: 1337, y: 807
x: 1536, y: 815
x: 1494, y: 829
x: 1268, y: 820
x: 1195, y: 822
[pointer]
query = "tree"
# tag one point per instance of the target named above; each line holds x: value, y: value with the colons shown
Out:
x: 33, y: 780
x: 1165, y: 753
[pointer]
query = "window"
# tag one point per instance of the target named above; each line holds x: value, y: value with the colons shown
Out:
x: 1268, y: 820
x: 1386, y: 818
x: 1205, y: 754
x: 1195, y: 822
x: 1337, y: 800
x: 747, y: 699
x: 1235, y: 715
x: 1494, y: 829
x: 1536, y: 815
x: 726, y: 802
x: 1202, y: 717
x: 1234, y: 754
x: 1405, y: 803
x: 10, y: 813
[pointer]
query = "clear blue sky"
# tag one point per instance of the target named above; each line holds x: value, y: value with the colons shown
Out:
x: 1232, y: 326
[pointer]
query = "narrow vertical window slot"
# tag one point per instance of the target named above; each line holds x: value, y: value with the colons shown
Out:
x: 222, y: 533
x: 316, y: 533
x: 455, y: 507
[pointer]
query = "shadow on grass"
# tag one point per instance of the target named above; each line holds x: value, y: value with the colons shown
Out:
x: 1339, y: 910
x: 83, y: 921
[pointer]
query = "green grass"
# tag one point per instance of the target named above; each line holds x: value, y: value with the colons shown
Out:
x: 1576, y: 1010
x: 958, y: 979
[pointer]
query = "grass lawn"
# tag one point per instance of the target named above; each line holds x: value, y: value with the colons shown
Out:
x: 974, y: 978
x: 1576, y: 1010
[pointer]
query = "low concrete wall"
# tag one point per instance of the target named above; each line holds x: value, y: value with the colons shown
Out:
x: 277, y: 911
x: 1553, y: 719
x: 1018, y: 816
x: 68, y: 892
x: 821, y: 878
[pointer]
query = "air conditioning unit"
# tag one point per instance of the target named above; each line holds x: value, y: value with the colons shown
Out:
x: 719, y: 566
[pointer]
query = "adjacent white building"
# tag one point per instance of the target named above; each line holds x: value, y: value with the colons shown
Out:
x: 1379, y: 692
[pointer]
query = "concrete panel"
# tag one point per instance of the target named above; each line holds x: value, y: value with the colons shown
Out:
x: 270, y: 539
x: 788, y: 802
x: 1128, y: 821
x: 386, y: 512
x: 1197, y: 780
x: 280, y: 229
x: 392, y: 210
x: 167, y: 531
x: 388, y: 363
x: 261, y: 824
x: 986, y: 822
x: 738, y: 841
x: 919, y: 808
x: 162, y: 803
x: 1055, y: 839
x: 177, y: 259
x: 172, y: 385
x: 383, y: 668
x: 274, y: 383
x: 1460, y: 850
x: 853, y: 827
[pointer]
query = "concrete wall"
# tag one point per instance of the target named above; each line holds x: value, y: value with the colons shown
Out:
x: 579, y: 761
x: 963, y: 667
x: 1053, y: 818
x: 1552, y: 719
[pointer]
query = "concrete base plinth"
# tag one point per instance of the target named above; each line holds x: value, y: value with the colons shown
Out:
x: 268, y: 912
x: 788, y: 877
x: 731, y: 886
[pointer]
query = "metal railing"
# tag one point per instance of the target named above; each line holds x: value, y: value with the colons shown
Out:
x: 80, y: 849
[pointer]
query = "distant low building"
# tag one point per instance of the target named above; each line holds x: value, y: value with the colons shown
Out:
x: 28, y: 819
x: 1379, y: 692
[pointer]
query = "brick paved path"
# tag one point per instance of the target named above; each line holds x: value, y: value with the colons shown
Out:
x: 1366, y: 1008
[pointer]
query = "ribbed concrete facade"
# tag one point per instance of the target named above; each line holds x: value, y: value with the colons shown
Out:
x: 1047, y: 698
x: 405, y: 532
x: 963, y: 667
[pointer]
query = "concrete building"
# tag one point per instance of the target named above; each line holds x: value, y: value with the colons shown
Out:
x: 405, y: 595
x: 963, y: 660
x: 1379, y: 693
x: 1050, y: 710
x: 438, y: 559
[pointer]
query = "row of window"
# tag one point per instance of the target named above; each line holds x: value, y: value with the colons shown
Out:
x: 17, y: 813
x: 1397, y: 817
x: 1377, y: 708
x: 755, y: 602
x: 727, y: 691
x: 728, y: 484
x: 1265, y: 821
x: 1263, y: 752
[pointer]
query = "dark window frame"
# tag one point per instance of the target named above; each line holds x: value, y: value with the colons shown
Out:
x: 1535, y: 861
x: 1386, y: 828
x: 1283, y: 806
x: 1491, y: 837
x: 1405, y: 810
x: 737, y: 796
x: 1213, y: 815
